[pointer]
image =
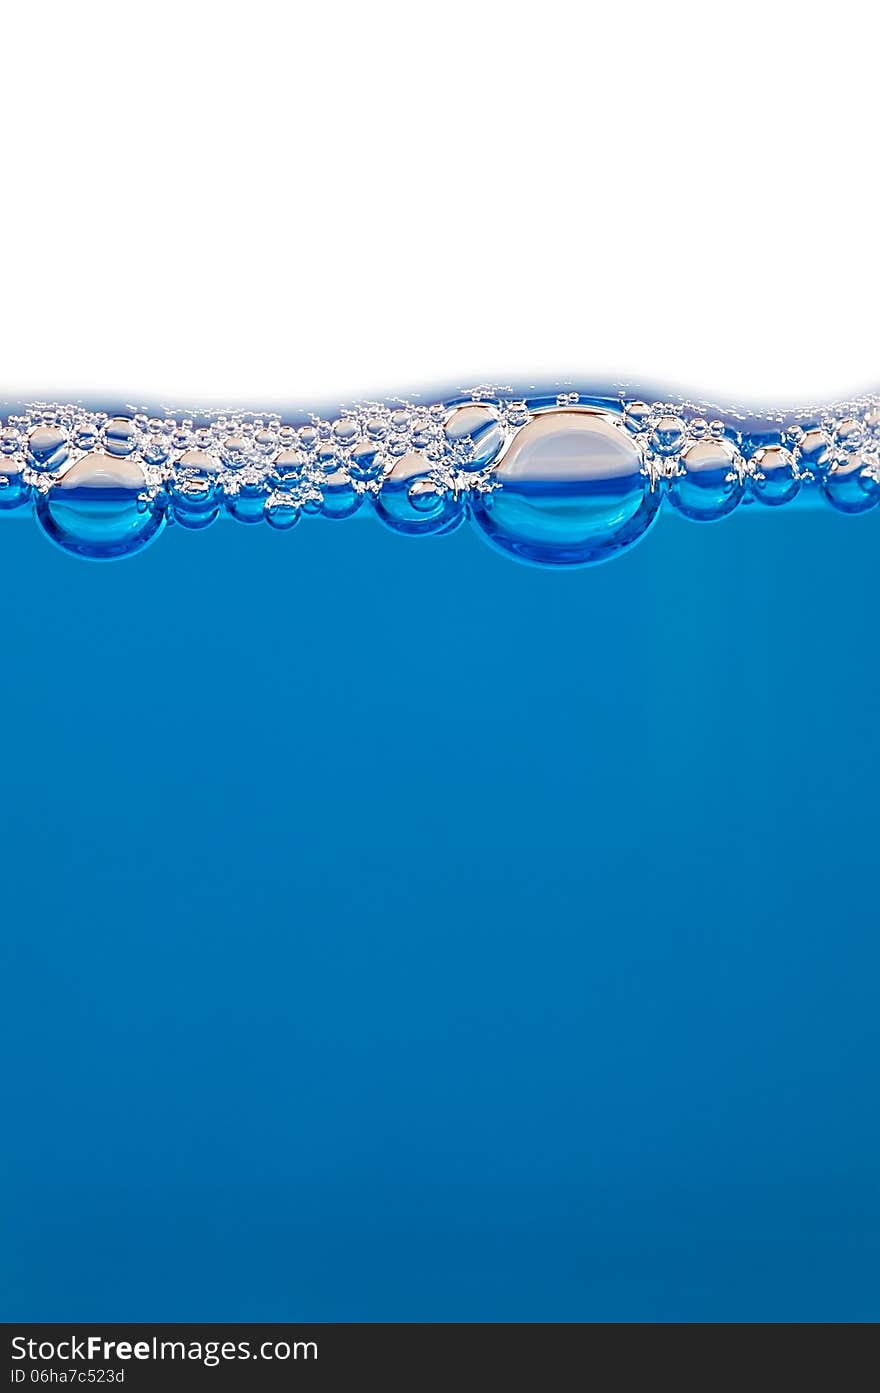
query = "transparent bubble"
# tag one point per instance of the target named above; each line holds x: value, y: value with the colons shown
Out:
x: 476, y: 433
x: 776, y: 480
x: 288, y: 466
x: 281, y: 513
x: 14, y: 492
x: 197, y: 462
x: 248, y: 504
x: 572, y: 491
x: 708, y: 486
x: 849, y: 434
x: 85, y: 437
x: 637, y: 415
x: 363, y: 460
x: 405, y: 504
x: 194, y: 502
x: 814, y: 453
x: 668, y: 435
x: 848, y: 487
x: 345, y: 431
x: 234, y: 451
x: 120, y: 436
x: 155, y: 449
x: 96, y: 509
x: 47, y: 448
x: 340, y: 499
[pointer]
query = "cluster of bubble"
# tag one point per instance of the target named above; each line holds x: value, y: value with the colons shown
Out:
x: 559, y: 478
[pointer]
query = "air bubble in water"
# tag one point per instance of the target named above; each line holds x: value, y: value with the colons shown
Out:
x: 281, y: 513
x: 120, y: 436
x: 848, y: 487
x: 668, y: 435
x: 97, y: 509
x: 47, y: 447
x: 573, y: 491
x: 339, y: 498
x: 776, y: 479
x: 410, y: 502
x: 814, y: 453
x: 476, y: 434
x: 14, y: 492
x: 248, y: 504
x: 194, y: 502
x: 707, y: 486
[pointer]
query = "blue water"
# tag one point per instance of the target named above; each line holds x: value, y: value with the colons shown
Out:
x: 391, y: 932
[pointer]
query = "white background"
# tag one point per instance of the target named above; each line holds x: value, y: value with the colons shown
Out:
x: 269, y: 202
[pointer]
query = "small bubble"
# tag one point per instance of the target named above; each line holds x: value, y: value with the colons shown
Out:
x: 234, y: 451
x: 346, y: 431
x: 707, y: 486
x: 14, y: 492
x: 363, y: 460
x: 476, y: 435
x: 340, y: 499
x: 47, y: 447
x: 814, y: 453
x: 849, y: 434
x: 288, y: 467
x: 395, y: 504
x: 668, y: 435
x: 850, y: 485
x: 281, y: 513
x: 248, y: 504
x: 120, y: 436
x: 776, y: 479
x: 637, y: 415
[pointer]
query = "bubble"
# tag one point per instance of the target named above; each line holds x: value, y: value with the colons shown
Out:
x: 848, y: 487
x: 120, y: 436
x: 340, y: 499
x: 197, y: 462
x: 281, y: 513
x: 155, y: 449
x: 572, y: 491
x: 477, y: 435
x: 405, y: 505
x: 14, y: 492
x: 363, y: 460
x: 96, y: 508
x: 814, y: 453
x: 85, y: 437
x: 708, y: 486
x: 637, y: 415
x: 47, y: 447
x: 194, y: 502
x: 346, y: 431
x: 265, y: 440
x: 776, y: 480
x: 248, y: 504
x: 288, y: 466
x: 668, y: 435
x: 849, y: 434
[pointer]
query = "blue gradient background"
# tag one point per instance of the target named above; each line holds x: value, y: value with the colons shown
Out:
x: 391, y: 931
